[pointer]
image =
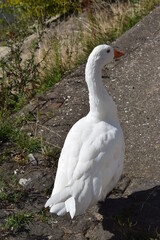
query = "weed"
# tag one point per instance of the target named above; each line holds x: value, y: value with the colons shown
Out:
x: 25, y: 118
x: 17, y: 221
x: 10, y: 192
x: 106, y: 21
x: 20, y: 140
x: 27, y: 144
x: 41, y: 9
x: 3, y: 195
x: 19, y: 78
x: 13, y: 197
x: 42, y: 216
x: 53, y: 73
x: 52, y: 152
x: 52, y: 155
x: 6, y: 130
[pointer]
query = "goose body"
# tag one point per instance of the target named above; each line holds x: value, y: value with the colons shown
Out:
x: 91, y: 161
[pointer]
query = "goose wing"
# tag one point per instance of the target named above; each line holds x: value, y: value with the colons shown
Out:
x: 87, y: 163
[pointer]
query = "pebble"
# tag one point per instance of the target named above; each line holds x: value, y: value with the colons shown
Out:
x: 24, y: 181
x: 32, y: 159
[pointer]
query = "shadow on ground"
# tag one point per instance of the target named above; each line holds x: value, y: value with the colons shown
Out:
x: 135, y: 217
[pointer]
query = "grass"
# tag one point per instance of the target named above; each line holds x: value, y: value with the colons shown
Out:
x: 22, y: 142
x: 19, y: 76
x: 52, y: 154
x: 41, y: 216
x: 26, y: 144
x: 102, y: 23
x: 13, y: 197
x: 10, y: 191
x: 6, y: 131
x: 67, y: 48
x: 17, y: 221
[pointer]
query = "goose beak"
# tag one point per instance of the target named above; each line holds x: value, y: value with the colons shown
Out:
x: 117, y: 54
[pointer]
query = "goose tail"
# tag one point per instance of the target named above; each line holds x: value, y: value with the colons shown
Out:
x: 70, y: 205
x: 61, y: 203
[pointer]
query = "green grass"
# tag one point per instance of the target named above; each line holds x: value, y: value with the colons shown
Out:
x: 10, y: 191
x: 63, y: 59
x: 25, y: 81
x: 52, y: 154
x: 13, y: 197
x: 17, y: 221
x: 42, y: 216
x: 6, y: 131
x: 12, y: 100
x: 20, y: 139
x: 25, y: 143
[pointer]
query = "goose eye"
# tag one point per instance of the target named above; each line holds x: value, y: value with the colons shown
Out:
x: 108, y: 51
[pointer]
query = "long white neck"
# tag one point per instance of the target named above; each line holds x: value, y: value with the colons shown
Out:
x: 101, y: 104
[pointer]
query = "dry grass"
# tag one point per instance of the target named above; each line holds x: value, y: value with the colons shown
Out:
x: 71, y: 41
x: 66, y: 44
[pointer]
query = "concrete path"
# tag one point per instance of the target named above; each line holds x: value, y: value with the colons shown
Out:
x: 134, y: 83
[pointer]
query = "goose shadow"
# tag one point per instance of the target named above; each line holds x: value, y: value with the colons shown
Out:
x: 136, y: 217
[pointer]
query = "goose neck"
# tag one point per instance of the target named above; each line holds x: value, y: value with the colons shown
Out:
x: 101, y: 104
x: 93, y: 79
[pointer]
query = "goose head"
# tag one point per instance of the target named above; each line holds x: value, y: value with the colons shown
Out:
x: 103, y: 54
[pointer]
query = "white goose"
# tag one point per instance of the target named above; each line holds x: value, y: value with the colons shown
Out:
x: 91, y: 160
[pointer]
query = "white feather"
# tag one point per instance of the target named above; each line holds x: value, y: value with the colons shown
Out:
x: 70, y: 206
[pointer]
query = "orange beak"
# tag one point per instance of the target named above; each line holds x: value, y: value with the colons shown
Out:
x: 117, y: 53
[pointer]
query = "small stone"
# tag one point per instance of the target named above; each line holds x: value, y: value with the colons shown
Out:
x: 16, y: 171
x: 24, y: 181
x: 29, y: 134
x: 55, y: 221
x: 32, y: 159
x: 50, y: 237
